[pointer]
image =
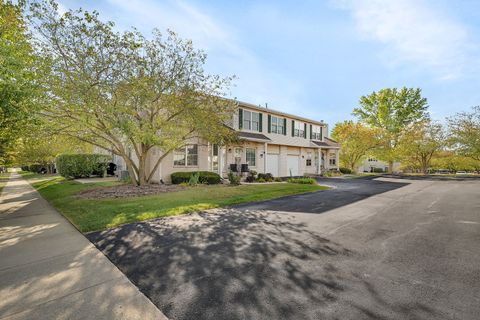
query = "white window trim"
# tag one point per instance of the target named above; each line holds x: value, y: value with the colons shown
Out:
x: 185, y: 153
x: 278, y: 121
x: 250, y: 121
x: 255, y: 157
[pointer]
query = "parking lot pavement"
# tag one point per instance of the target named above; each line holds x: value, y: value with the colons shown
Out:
x: 368, y: 249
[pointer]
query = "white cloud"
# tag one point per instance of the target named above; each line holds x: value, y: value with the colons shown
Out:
x: 227, y: 54
x: 414, y: 31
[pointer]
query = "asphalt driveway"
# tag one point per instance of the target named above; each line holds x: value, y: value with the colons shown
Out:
x: 368, y: 249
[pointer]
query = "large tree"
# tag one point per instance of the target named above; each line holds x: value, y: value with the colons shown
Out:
x: 126, y: 93
x: 19, y: 71
x: 391, y: 111
x: 420, y: 142
x: 464, y: 130
x: 356, y: 140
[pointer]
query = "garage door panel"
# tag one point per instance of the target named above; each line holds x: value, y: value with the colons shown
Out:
x: 292, y: 165
x: 272, y: 164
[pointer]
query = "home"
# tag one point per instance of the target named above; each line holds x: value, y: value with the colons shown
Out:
x: 372, y: 164
x: 269, y: 142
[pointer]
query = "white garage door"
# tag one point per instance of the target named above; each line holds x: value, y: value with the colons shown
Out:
x: 272, y: 164
x: 292, y: 165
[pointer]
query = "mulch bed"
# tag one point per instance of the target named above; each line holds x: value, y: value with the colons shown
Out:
x: 127, y: 191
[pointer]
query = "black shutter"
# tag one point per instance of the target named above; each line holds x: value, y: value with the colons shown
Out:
x: 293, y: 128
x: 240, y: 118
x: 269, y: 124
x: 321, y: 133
x: 260, y: 121
x: 310, y: 132
x: 305, y: 130
x: 284, y: 126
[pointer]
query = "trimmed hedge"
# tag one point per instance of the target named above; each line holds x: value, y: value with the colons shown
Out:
x: 378, y: 170
x: 82, y: 165
x: 204, y: 177
x: 345, y: 170
x: 302, y: 180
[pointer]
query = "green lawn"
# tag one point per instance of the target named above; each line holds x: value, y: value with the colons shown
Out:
x: 91, y: 215
x: 3, y: 180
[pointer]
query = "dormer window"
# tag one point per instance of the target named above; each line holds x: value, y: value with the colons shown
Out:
x: 250, y: 120
x: 277, y: 125
x: 316, y: 133
x: 299, y: 129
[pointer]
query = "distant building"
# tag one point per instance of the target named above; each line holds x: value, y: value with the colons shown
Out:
x: 372, y: 164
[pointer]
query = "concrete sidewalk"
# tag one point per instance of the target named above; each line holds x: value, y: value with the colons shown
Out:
x: 48, y: 270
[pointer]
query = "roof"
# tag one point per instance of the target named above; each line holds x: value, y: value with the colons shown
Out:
x: 327, y: 143
x: 252, y: 136
x: 280, y: 113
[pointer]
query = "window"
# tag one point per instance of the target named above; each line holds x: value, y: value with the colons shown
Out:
x: 316, y: 133
x: 192, y: 155
x: 186, y: 156
x: 309, y: 159
x: 299, y: 129
x: 250, y: 157
x: 215, y: 157
x: 251, y: 120
x: 277, y: 125
x: 333, y: 159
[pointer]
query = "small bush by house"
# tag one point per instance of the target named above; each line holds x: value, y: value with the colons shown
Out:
x: 82, y: 165
x: 206, y: 177
x: 378, y: 170
x: 345, y: 170
x: 233, y: 178
x: 302, y: 180
x: 265, y: 176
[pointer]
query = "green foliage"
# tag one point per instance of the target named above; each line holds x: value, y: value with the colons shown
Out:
x: 261, y: 180
x: 81, y: 165
x: 419, y: 143
x: 194, y: 179
x: 205, y: 177
x: 356, y: 139
x: 465, y: 133
x: 233, y: 178
x: 20, y: 70
x: 108, y: 87
x: 378, y: 170
x: 331, y: 173
x: 302, y: 180
x: 265, y: 176
x: 345, y: 170
x: 252, y: 175
x: 391, y: 111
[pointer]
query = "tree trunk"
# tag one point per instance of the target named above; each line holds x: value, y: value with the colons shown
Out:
x: 390, y: 166
x: 141, y: 169
x: 131, y: 171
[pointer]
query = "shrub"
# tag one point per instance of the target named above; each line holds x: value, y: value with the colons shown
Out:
x: 25, y: 168
x: 261, y: 180
x: 265, y: 176
x: 331, y: 173
x: 278, y: 179
x: 194, y: 179
x: 345, y: 170
x: 82, y: 165
x: 302, y: 180
x: 206, y: 177
x: 378, y: 170
x: 233, y: 178
x: 251, y: 176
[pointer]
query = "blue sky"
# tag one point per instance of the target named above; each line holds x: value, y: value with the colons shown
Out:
x: 316, y: 58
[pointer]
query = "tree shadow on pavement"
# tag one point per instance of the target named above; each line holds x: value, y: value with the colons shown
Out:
x: 233, y: 264
x: 227, y: 265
